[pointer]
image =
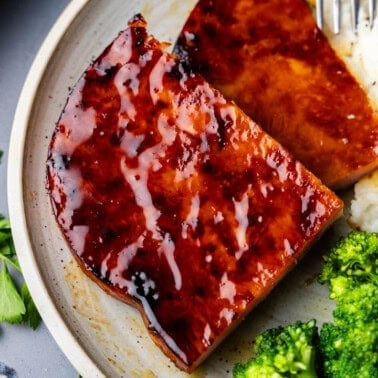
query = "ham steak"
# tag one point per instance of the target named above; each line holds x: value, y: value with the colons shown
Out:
x: 274, y: 62
x: 173, y: 200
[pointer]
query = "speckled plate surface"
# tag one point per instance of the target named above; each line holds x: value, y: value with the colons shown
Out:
x: 100, y: 335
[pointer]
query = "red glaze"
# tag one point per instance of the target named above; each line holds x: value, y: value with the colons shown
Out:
x: 272, y: 60
x: 173, y: 200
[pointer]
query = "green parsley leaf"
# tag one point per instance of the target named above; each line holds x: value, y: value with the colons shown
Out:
x: 12, y: 307
x: 5, y: 230
x: 4, y: 223
x: 7, y: 250
x: 11, y: 260
x: 32, y: 314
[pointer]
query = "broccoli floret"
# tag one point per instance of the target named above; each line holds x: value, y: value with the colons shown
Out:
x: 349, y: 347
x: 283, y: 352
x: 355, y: 256
x: 357, y: 307
x: 348, y: 352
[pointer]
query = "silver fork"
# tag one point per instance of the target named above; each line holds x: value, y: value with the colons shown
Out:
x: 336, y: 14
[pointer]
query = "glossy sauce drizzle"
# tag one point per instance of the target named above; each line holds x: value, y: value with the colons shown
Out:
x: 172, y: 199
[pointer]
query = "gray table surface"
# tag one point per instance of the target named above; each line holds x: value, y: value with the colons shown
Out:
x: 23, y: 26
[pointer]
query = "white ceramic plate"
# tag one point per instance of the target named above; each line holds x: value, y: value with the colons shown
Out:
x: 100, y: 335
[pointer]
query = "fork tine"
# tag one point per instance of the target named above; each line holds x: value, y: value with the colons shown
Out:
x: 372, y: 10
x: 336, y: 16
x: 319, y: 13
x: 354, y: 7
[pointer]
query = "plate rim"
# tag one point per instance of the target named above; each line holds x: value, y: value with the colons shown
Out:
x: 15, y: 194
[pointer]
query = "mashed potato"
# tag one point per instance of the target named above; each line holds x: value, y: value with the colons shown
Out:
x: 360, y: 53
x: 364, y: 206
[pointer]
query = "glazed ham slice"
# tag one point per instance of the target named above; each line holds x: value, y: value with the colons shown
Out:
x: 272, y: 60
x: 173, y: 200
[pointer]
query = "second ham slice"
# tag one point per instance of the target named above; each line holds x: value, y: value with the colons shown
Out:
x: 273, y: 61
x: 173, y: 200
